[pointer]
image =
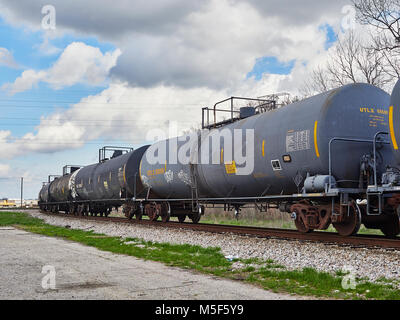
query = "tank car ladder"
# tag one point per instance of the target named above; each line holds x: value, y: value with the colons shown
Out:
x: 194, y: 189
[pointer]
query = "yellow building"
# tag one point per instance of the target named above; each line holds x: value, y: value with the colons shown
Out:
x: 5, y: 203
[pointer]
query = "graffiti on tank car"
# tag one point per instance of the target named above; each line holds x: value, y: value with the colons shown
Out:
x: 169, y: 176
x: 184, y: 177
x: 145, y: 181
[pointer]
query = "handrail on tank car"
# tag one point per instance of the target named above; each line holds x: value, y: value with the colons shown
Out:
x: 232, y: 119
x: 55, y: 176
x: 72, y: 168
x: 354, y: 140
x: 102, y: 151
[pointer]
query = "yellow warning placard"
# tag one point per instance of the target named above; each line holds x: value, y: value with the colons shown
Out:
x: 230, y: 167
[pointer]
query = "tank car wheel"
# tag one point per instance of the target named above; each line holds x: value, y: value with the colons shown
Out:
x: 301, y: 226
x: 182, y: 218
x: 195, y: 217
x: 138, y: 215
x: 351, y: 223
x: 85, y: 211
x: 128, y: 212
x: 165, y: 211
x: 165, y: 218
x: 153, y: 211
x: 392, y: 227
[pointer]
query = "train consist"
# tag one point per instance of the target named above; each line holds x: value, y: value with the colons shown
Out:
x: 330, y: 159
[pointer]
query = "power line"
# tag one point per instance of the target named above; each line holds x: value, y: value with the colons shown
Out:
x: 147, y: 102
x: 112, y: 108
x: 78, y: 126
x: 77, y: 120
x: 77, y: 142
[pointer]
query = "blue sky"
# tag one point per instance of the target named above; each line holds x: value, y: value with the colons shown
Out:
x: 270, y: 65
x: 20, y: 113
x: 331, y: 36
x: 42, y: 99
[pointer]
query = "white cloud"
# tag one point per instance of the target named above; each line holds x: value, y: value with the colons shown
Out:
x: 46, y: 47
x: 79, y: 63
x: 4, y: 171
x: 216, y: 47
x: 7, y: 59
x: 127, y: 114
x: 212, y: 43
x: 119, y: 112
x: 171, y: 65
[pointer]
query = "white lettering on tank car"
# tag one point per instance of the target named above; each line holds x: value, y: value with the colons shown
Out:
x: 298, y: 141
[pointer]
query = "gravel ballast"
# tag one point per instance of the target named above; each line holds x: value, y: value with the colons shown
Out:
x: 370, y: 263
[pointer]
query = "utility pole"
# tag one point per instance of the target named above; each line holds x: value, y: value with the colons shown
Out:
x: 22, y: 189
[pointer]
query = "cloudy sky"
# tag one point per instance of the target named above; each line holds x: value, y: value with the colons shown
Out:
x: 106, y: 72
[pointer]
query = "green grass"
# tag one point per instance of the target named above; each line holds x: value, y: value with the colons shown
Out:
x: 263, y: 273
x: 271, y: 223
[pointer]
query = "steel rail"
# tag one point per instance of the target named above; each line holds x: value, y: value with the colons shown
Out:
x: 362, y: 241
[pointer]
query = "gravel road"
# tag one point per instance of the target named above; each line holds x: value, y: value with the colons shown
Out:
x: 82, y: 272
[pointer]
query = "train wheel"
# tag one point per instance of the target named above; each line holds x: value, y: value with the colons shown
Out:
x: 300, y: 224
x: 128, y: 212
x: 182, y: 218
x: 165, y: 218
x: 391, y: 228
x: 153, y: 211
x: 195, y: 217
x: 139, y: 215
x: 165, y: 211
x: 351, y: 222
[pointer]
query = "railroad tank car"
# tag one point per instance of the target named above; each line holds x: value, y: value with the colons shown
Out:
x: 394, y: 121
x: 112, y: 179
x: 96, y: 188
x: 59, y: 189
x: 289, y: 143
x: 325, y: 160
x: 44, y: 194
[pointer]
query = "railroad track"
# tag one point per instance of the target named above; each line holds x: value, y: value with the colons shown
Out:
x: 358, y: 241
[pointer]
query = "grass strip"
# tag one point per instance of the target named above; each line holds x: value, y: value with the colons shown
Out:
x: 263, y: 273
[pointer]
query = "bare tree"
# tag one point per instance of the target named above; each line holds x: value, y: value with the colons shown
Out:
x: 384, y: 15
x: 350, y: 61
x: 319, y: 81
x: 384, y: 18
